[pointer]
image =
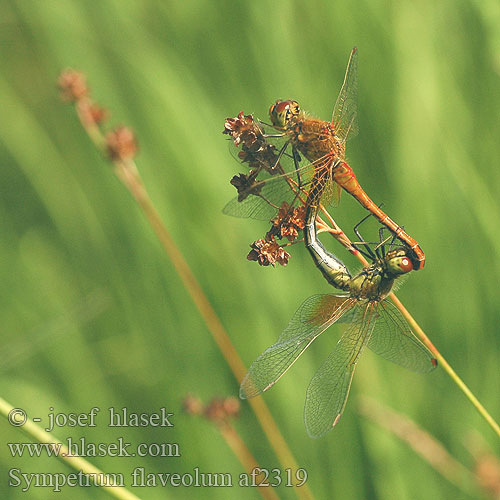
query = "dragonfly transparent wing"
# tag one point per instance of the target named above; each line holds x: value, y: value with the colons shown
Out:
x: 328, y: 390
x: 263, y: 199
x: 271, y: 194
x: 393, y: 339
x: 345, y: 111
x: 311, y: 319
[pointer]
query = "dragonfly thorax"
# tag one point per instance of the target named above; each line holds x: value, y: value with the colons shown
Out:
x: 316, y: 139
x: 313, y: 138
x: 376, y: 281
x: 371, y: 284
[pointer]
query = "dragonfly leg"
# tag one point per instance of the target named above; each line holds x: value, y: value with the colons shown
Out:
x: 280, y: 154
x: 371, y: 254
x: 296, y: 161
x: 365, y: 252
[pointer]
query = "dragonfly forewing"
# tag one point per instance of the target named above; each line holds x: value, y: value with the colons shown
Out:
x: 345, y: 111
x: 393, y: 339
x: 328, y: 390
x: 311, y: 319
x: 263, y: 200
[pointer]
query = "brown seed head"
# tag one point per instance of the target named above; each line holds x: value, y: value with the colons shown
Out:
x: 232, y: 407
x: 91, y: 113
x: 192, y: 405
x: 221, y: 409
x: 246, y: 185
x: 268, y: 253
x: 121, y: 144
x: 215, y: 410
x: 72, y: 84
x: 244, y: 130
x: 289, y: 221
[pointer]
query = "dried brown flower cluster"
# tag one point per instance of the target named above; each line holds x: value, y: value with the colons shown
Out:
x: 246, y: 185
x: 73, y: 85
x: 288, y: 222
x: 268, y: 252
x: 217, y: 410
x: 91, y: 113
x: 255, y: 150
x: 247, y: 133
x: 120, y: 143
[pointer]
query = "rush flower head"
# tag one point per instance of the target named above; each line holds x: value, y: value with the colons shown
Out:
x: 91, y: 113
x: 192, y: 405
x: 268, y: 252
x: 265, y: 157
x: 121, y: 144
x: 288, y: 222
x: 255, y: 150
x: 72, y: 84
x: 244, y: 130
x: 221, y: 409
x: 246, y: 185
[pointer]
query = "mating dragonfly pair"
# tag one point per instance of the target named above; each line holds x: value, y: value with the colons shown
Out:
x: 292, y: 200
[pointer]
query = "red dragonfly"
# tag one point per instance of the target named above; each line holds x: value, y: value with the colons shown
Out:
x: 317, y: 182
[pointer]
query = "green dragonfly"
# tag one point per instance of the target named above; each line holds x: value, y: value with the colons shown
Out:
x: 372, y: 320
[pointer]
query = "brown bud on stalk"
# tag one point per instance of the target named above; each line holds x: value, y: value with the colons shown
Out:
x: 218, y: 410
x: 221, y: 409
x: 91, y: 113
x: 72, y: 84
x: 255, y: 150
x: 288, y: 222
x: 121, y: 144
x: 268, y: 253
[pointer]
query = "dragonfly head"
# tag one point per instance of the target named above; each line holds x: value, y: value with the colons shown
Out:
x: 397, y: 262
x: 282, y: 112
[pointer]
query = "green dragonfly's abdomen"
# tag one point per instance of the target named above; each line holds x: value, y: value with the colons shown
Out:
x: 334, y: 271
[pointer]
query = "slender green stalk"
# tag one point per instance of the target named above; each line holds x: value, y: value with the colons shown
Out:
x: 246, y: 459
x: 446, y: 366
x: 96, y: 475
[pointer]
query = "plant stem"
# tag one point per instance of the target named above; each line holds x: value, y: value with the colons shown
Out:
x: 246, y: 459
x: 97, y: 476
x: 446, y: 366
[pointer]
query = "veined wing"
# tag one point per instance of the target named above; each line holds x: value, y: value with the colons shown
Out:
x: 393, y: 339
x: 344, y: 117
x: 311, y: 319
x: 328, y: 390
x: 330, y: 196
x: 262, y: 199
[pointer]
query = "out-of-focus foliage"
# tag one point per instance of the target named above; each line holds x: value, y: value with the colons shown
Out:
x: 93, y: 313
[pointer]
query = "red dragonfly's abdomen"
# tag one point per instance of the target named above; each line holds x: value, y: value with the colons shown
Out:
x: 344, y: 177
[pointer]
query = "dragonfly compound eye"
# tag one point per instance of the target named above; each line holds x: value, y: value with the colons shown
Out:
x: 281, y: 112
x: 399, y: 265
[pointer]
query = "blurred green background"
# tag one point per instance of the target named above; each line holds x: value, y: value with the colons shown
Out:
x: 93, y: 313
